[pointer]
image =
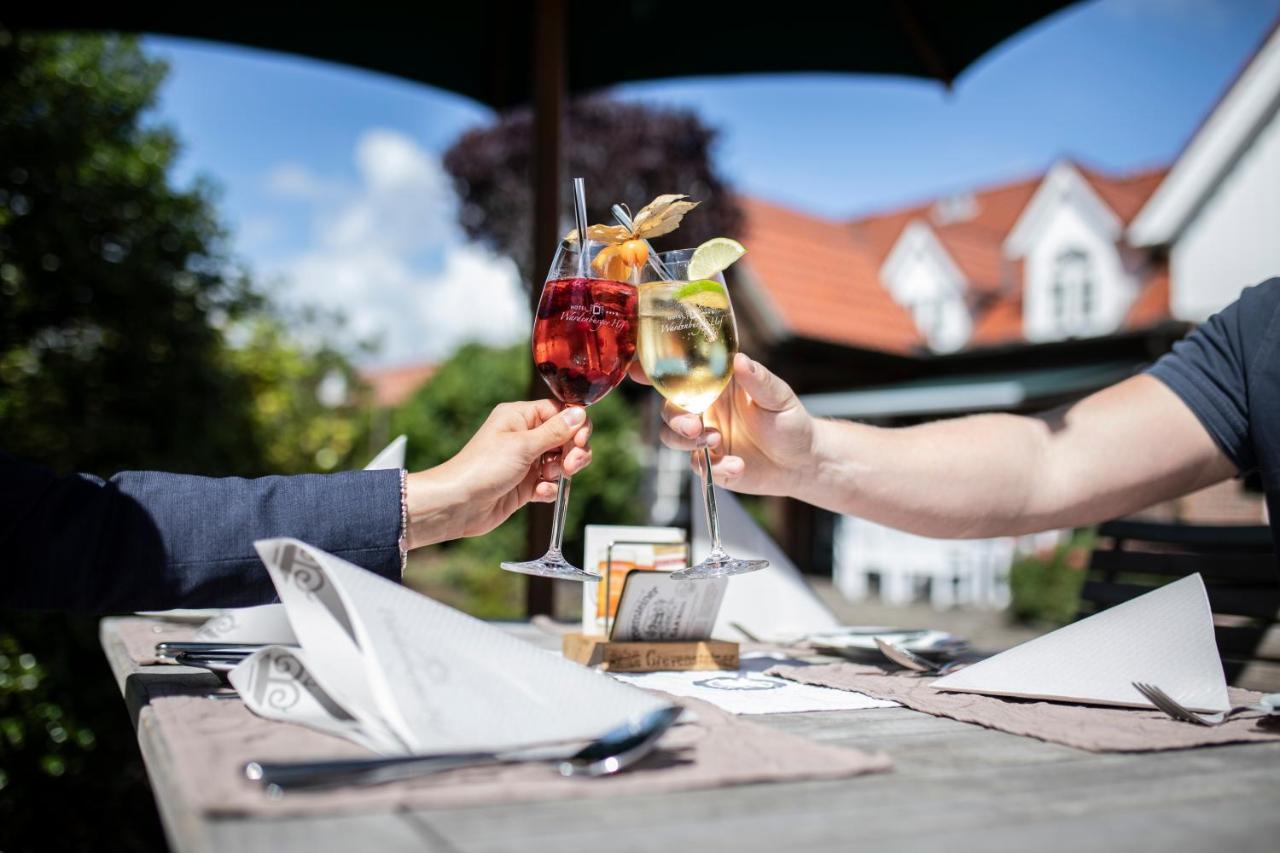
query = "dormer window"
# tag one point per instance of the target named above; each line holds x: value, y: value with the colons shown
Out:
x: 1071, y: 292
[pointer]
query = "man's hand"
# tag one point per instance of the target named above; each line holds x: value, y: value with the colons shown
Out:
x: 506, y: 464
x: 760, y: 436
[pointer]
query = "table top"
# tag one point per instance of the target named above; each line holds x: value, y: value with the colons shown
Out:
x: 954, y: 786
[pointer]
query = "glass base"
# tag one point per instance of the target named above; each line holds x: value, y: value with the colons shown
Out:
x: 716, y: 566
x: 552, y: 565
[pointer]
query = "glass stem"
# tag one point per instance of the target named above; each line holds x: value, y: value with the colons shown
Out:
x: 557, y: 520
x: 709, y: 498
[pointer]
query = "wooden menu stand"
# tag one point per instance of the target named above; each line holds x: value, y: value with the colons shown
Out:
x: 600, y: 652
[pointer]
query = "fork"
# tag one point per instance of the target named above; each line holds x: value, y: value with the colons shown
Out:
x: 912, y: 661
x: 1182, y: 713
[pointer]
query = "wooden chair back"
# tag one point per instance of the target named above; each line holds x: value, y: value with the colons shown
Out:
x: 1238, y: 565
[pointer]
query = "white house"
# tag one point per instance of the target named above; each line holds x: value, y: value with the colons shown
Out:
x: 1217, y: 214
x: 1077, y: 281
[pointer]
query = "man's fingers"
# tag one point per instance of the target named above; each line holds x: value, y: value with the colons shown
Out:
x: 676, y: 441
x: 682, y: 422
x: 556, y: 431
x: 545, y: 492
x: 724, y: 471
x: 766, y: 389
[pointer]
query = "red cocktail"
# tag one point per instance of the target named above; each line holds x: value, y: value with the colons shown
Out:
x: 584, y: 337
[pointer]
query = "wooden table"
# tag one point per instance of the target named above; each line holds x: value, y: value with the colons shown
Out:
x: 955, y: 787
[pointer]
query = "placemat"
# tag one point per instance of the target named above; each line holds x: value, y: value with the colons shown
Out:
x: 208, y: 742
x: 1090, y: 727
x: 140, y: 636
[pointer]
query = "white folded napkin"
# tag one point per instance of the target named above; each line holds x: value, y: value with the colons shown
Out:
x: 1164, y: 637
x: 268, y: 623
x: 391, y: 456
x: 417, y: 676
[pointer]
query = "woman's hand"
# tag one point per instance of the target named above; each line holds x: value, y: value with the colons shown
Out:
x: 506, y: 464
x: 760, y: 436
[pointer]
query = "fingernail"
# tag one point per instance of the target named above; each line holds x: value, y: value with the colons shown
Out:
x: 753, y: 367
x: 575, y: 416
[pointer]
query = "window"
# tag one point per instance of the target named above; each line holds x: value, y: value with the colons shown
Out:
x: 1072, y: 296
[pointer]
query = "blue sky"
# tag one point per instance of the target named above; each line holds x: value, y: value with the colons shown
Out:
x: 332, y: 184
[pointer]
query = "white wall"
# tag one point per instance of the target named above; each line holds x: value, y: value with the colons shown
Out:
x: 923, y: 279
x: 1114, y: 288
x: 1234, y: 241
x: 935, y: 300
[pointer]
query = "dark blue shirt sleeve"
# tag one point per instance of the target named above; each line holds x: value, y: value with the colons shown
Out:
x: 153, y: 541
x: 1211, y: 369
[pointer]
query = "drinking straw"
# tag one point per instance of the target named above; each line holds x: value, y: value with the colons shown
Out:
x: 624, y: 219
x: 580, y: 213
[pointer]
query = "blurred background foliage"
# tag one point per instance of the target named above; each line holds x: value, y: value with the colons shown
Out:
x: 1045, y: 587
x: 131, y: 338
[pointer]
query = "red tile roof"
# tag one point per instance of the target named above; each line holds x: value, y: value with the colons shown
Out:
x: 822, y: 276
x: 1152, y: 304
x: 391, y: 386
x: 1128, y: 194
x: 823, y: 286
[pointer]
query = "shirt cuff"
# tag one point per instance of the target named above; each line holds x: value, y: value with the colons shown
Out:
x: 404, y: 521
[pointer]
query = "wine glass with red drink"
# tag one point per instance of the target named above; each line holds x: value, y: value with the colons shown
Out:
x: 584, y: 338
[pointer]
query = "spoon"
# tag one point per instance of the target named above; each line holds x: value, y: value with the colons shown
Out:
x: 611, y: 753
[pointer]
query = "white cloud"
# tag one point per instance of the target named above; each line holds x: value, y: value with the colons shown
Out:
x: 295, y: 181
x: 389, y: 254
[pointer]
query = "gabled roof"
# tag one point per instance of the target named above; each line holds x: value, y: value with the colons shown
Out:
x: 1248, y: 104
x: 1065, y: 181
x: 821, y: 277
x: 823, y: 285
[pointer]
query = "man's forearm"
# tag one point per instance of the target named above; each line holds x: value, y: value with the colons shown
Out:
x: 1117, y: 451
x: 957, y: 478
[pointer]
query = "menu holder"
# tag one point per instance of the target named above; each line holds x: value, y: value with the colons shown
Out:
x: 613, y: 551
x: 660, y: 624
x: 650, y: 656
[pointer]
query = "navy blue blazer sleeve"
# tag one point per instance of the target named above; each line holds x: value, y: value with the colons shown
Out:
x: 151, y: 541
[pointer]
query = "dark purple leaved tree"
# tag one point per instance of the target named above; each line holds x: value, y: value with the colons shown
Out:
x: 627, y: 152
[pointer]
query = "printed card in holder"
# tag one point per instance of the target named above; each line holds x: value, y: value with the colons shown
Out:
x: 655, y: 608
x: 599, y: 600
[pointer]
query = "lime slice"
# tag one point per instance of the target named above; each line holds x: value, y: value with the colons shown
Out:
x: 705, y: 294
x: 715, y: 255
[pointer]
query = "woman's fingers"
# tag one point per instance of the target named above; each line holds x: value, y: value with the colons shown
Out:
x: 636, y: 372
x: 577, y: 459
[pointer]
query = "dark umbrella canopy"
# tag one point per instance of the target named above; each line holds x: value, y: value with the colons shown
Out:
x: 483, y: 49
x: 507, y: 52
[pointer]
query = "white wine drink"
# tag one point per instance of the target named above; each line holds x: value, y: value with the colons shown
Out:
x: 687, y: 340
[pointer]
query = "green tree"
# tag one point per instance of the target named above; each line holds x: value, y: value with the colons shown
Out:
x: 114, y: 283
x: 306, y: 399
x: 118, y: 297
x: 439, y: 420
